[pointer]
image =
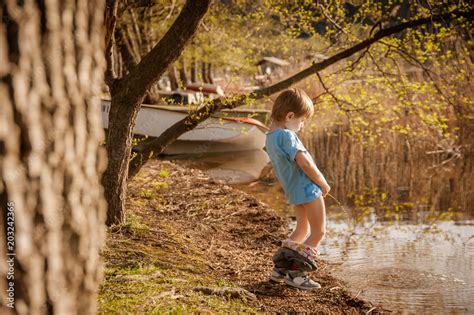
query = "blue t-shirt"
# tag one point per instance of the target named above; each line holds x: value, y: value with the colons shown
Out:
x: 282, y: 146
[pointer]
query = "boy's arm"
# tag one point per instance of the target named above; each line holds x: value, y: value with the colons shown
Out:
x: 312, y: 172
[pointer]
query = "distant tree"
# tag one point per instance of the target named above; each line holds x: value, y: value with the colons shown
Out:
x: 51, y: 70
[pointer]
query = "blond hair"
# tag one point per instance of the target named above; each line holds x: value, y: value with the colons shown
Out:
x: 292, y: 100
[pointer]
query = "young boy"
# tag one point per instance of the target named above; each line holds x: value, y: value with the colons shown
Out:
x: 304, y: 187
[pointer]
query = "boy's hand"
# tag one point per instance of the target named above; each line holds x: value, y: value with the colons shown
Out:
x: 325, y: 189
x: 312, y: 172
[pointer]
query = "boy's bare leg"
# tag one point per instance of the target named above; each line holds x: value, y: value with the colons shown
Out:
x: 295, y: 239
x: 302, y: 225
x: 296, y: 273
x: 315, y: 211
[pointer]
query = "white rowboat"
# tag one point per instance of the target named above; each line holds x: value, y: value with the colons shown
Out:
x: 216, y: 134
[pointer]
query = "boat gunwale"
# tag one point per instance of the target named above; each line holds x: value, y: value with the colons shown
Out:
x: 184, y: 109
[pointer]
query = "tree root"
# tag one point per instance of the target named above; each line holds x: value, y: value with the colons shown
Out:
x: 228, y: 292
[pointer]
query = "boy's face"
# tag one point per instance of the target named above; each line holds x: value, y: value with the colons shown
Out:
x: 294, y: 123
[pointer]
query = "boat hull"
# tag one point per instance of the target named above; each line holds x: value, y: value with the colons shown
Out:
x: 215, y: 134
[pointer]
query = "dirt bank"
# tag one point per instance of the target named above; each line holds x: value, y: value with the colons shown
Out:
x: 193, y: 244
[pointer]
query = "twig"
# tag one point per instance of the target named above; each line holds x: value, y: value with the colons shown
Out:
x: 415, y: 62
x: 351, y: 67
x: 327, y: 16
x: 339, y: 101
x: 226, y: 291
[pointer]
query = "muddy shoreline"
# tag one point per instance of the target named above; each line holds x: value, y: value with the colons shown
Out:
x: 186, y: 231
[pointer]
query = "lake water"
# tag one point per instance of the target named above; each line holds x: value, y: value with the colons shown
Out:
x: 409, y: 268
x: 423, y: 264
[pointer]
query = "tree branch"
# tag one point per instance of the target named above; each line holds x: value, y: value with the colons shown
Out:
x: 340, y: 103
x: 415, y: 62
x: 156, y: 146
x: 165, y: 52
x: 354, y: 49
x: 127, y: 96
x: 110, y: 23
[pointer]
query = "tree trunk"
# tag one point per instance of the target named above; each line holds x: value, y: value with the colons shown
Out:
x: 182, y: 73
x: 127, y: 96
x: 53, y: 209
x: 209, y: 73
x: 128, y: 60
x: 172, y: 74
x: 203, y: 72
x: 194, y: 70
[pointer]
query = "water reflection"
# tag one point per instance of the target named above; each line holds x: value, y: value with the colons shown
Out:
x: 422, y: 263
x: 235, y: 167
x: 406, y: 267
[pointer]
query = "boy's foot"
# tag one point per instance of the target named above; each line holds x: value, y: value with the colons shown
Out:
x: 278, y: 275
x: 301, y: 280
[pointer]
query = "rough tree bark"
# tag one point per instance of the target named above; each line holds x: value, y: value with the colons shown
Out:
x: 51, y: 70
x: 127, y: 96
x: 154, y: 146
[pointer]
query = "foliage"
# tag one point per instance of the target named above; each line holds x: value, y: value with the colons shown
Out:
x: 413, y: 87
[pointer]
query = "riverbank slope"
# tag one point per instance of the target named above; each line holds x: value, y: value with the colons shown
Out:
x: 193, y: 244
